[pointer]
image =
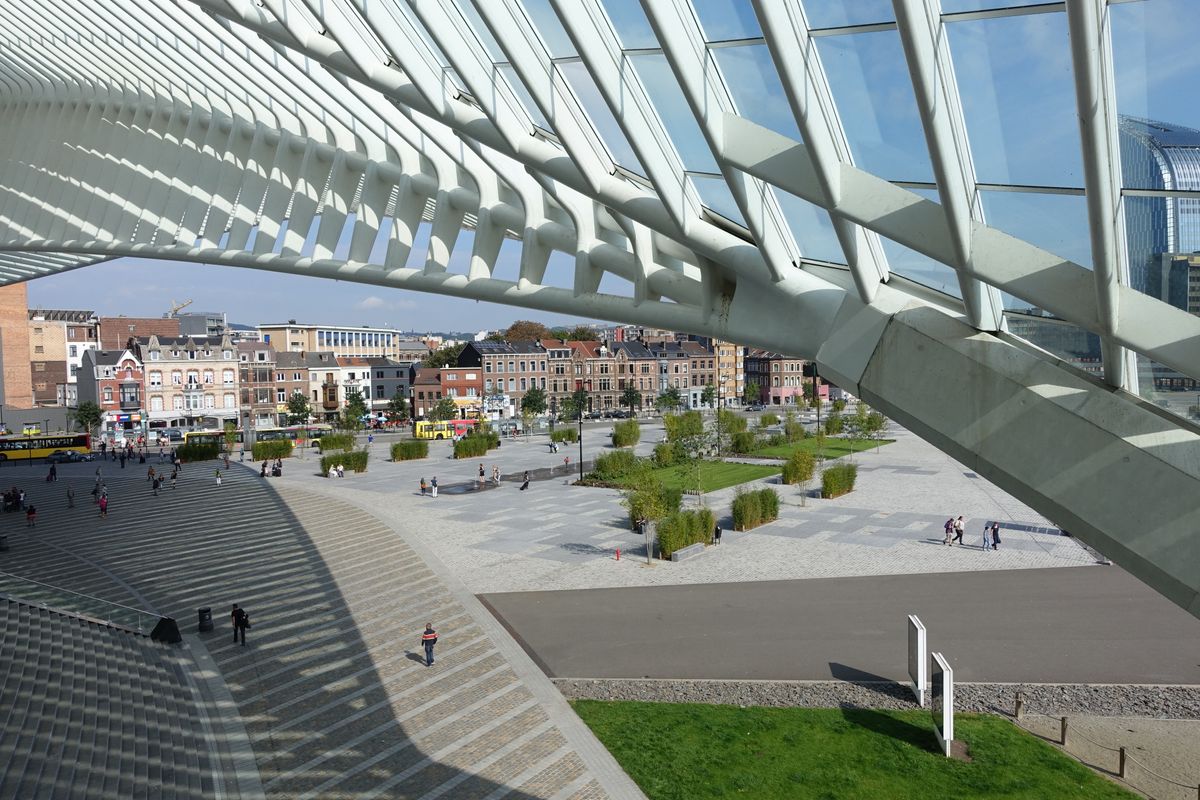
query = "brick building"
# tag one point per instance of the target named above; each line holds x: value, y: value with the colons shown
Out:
x: 190, y: 381
x: 257, y: 399
x: 426, y: 390
x: 16, y: 386
x: 291, y: 376
x: 637, y: 367
x: 115, y: 332
x: 780, y: 378
x: 114, y: 380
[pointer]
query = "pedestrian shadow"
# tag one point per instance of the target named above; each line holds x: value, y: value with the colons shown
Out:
x: 417, y: 657
x: 584, y: 549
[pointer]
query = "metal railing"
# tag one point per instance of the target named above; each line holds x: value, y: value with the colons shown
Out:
x: 55, y: 598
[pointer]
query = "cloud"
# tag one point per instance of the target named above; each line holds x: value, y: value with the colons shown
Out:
x: 376, y: 303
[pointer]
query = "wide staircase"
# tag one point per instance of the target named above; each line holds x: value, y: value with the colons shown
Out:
x: 89, y: 709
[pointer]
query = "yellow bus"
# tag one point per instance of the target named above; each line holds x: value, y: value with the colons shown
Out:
x: 24, y: 448
x: 444, y: 429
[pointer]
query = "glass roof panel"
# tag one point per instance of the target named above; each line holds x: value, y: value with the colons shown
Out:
x: 727, y: 19
x: 924, y: 270
x: 715, y: 194
x: 1075, y: 345
x: 757, y: 92
x: 811, y: 228
x: 667, y: 98
x: 580, y: 81
x: 955, y: 6
x: 874, y: 96
x: 836, y: 13
x: 481, y: 30
x: 523, y: 95
x: 548, y: 26
x: 629, y: 21
x: 1018, y: 97
x: 1054, y: 222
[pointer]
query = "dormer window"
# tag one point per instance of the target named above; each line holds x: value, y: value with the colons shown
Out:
x: 154, y: 355
x: 228, y: 354
x: 175, y: 354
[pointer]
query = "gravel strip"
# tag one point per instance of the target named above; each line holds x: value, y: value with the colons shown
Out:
x: 1110, y: 700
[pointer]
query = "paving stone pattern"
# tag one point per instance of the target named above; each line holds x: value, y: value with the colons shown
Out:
x: 332, y: 688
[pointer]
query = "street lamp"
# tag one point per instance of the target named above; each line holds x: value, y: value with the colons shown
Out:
x: 580, y: 406
x: 720, y: 408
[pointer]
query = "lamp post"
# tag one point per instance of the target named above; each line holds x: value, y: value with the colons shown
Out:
x: 580, y: 405
x: 720, y: 408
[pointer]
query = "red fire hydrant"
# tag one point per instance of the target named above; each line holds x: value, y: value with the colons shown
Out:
x: 618, y: 554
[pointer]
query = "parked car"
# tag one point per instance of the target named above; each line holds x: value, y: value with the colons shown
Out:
x: 67, y: 456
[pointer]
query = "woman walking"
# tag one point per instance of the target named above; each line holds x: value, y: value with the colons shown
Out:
x: 525, y: 481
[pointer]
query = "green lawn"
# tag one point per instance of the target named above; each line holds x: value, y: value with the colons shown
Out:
x: 834, y: 448
x: 686, y: 752
x: 713, y: 475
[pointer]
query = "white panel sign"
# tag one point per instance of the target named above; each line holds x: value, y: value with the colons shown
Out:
x: 941, y: 701
x: 918, y: 659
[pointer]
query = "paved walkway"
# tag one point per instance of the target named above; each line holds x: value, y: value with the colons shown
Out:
x: 558, y: 536
x: 332, y: 691
x: 1091, y: 625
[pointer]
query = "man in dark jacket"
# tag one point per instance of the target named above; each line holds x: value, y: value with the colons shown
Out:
x: 241, y: 621
x: 429, y: 639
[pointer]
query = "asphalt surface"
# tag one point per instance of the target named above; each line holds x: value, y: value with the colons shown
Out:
x: 1073, y: 625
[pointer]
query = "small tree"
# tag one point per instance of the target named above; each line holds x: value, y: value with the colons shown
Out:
x: 574, y: 406
x: 708, y: 396
x: 751, y: 393
x: 876, y: 424
x: 631, y: 397
x: 88, y: 416
x: 353, y: 413
x: 230, y: 436
x: 524, y: 330
x: 397, y: 407
x: 669, y: 400
x: 445, y: 409
x: 444, y: 356
x: 298, y: 408
x: 534, y: 402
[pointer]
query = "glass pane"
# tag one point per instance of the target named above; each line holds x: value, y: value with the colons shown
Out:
x: 1157, y: 265
x: 835, y: 13
x: 874, y: 97
x: 1075, y: 345
x: 715, y: 194
x: 750, y: 76
x: 629, y: 21
x: 667, y: 98
x: 1054, y: 222
x: 610, y: 133
x: 1157, y: 62
x: 1168, y: 389
x: 727, y: 19
x: 811, y: 228
x: 547, y: 24
x: 481, y: 30
x: 523, y: 94
x: 1013, y: 71
x: 922, y: 269
x: 954, y: 6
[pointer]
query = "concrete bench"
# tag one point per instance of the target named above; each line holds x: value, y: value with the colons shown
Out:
x: 688, y: 552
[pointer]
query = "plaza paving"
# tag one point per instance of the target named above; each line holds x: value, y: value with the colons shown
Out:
x: 557, y: 536
x: 331, y: 694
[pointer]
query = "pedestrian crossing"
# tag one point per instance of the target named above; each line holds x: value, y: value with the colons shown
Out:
x: 331, y: 687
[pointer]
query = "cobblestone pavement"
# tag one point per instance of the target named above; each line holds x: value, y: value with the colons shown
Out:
x: 558, y: 536
x: 331, y: 689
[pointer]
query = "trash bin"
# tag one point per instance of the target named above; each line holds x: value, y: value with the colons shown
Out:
x: 205, y: 615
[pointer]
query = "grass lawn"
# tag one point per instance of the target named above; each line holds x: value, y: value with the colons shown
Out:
x: 713, y: 475
x: 834, y: 448
x: 684, y: 751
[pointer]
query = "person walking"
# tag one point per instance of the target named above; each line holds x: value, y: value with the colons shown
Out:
x: 566, y: 464
x: 481, y: 474
x: 959, y: 528
x: 178, y: 463
x: 949, y: 528
x: 433, y: 486
x: 104, y: 505
x: 173, y: 476
x: 262, y: 473
x: 70, y: 497
x: 122, y: 459
x: 987, y: 536
x: 241, y: 621
x: 495, y: 474
x: 218, y: 477
x: 226, y: 460
x: 53, y: 476
x: 717, y: 534
x: 525, y: 481
x: 162, y: 455
x: 31, y: 516
x: 995, y: 535
x: 157, y: 483
x: 428, y: 640
x: 150, y: 474
x: 424, y: 487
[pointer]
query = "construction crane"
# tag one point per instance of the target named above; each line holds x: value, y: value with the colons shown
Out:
x: 177, y: 307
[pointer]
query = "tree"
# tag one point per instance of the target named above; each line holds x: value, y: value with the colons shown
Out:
x: 445, y: 409
x: 534, y: 401
x: 397, y: 407
x: 298, y: 408
x: 631, y: 397
x: 230, y: 436
x: 444, y: 356
x: 574, y: 406
x: 524, y: 330
x: 88, y: 416
x: 494, y: 336
x: 580, y: 333
x: 750, y: 394
x: 353, y: 413
x: 876, y: 424
x: 669, y: 400
x: 708, y: 396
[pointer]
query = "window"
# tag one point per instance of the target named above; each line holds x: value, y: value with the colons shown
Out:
x: 471, y: 376
x: 40, y: 366
x: 227, y: 354
x: 154, y: 355
x: 450, y: 376
x: 70, y: 333
x: 543, y: 365
x: 193, y: 378
x: 208, y: 376
x: 177, y: 377
x: 296, y: 376
x: 279, y: 377
x: 38, y: 331
x: 177, y: 402
x: 156, y: 378
x: 487, y: 366
x: 261, y: 356
x: 227, y: 376
x: 522, y: 384
x: 74, y: 351
x: 156, y: 403
x: 37, y: 348
x: 108, y: 395
x: 192, y: 355
x: 280, y: 396
x: 231, y: 401
x: 522, y: 366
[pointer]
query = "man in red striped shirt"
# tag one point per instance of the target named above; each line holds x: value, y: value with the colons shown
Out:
x: 429, y: 639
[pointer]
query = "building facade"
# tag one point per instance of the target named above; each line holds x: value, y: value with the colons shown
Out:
x: 426, y: 390
x: 115, y: 332
x: 47, y: 357
x: 190, y: 381
x: 257, y: 399
x: 114, y: 380
x: 343, y: 341
x: 389, y: 378
x: 16, y: 385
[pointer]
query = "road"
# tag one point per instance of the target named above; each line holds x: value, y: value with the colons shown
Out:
x: 1080, y: 624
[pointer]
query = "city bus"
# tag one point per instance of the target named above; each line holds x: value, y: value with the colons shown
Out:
x: 210, y: 437
x: 40, y: 446
x: 445, y: 429
x: 291, y: 433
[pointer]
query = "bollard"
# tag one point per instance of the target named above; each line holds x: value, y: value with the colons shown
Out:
x: 1121, y: 764
x: 1063, y: 735
x: 1019, y: 711
x: 618, y: 554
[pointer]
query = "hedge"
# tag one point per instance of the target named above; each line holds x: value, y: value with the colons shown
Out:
x: 476, y: 443
x: 626, y: 433
x: 615, y: 465
x: 677, y: 531
x: 751, y: 509
x: 270, y: 450
x: 834, y: 424
x: 198, y: 451
x: 768, y: 418
x: 838, y: 480
x: 565, y: 435
x: 799, y: 467
x: 730, y: 422
x: 336, y: 441
x: 666, y: 455
x: 793, y: 431
x: 652, y: 495
x: 744, y: 442
x: 407, y: 451
x: 680, y: 426
x: 352, y: 460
